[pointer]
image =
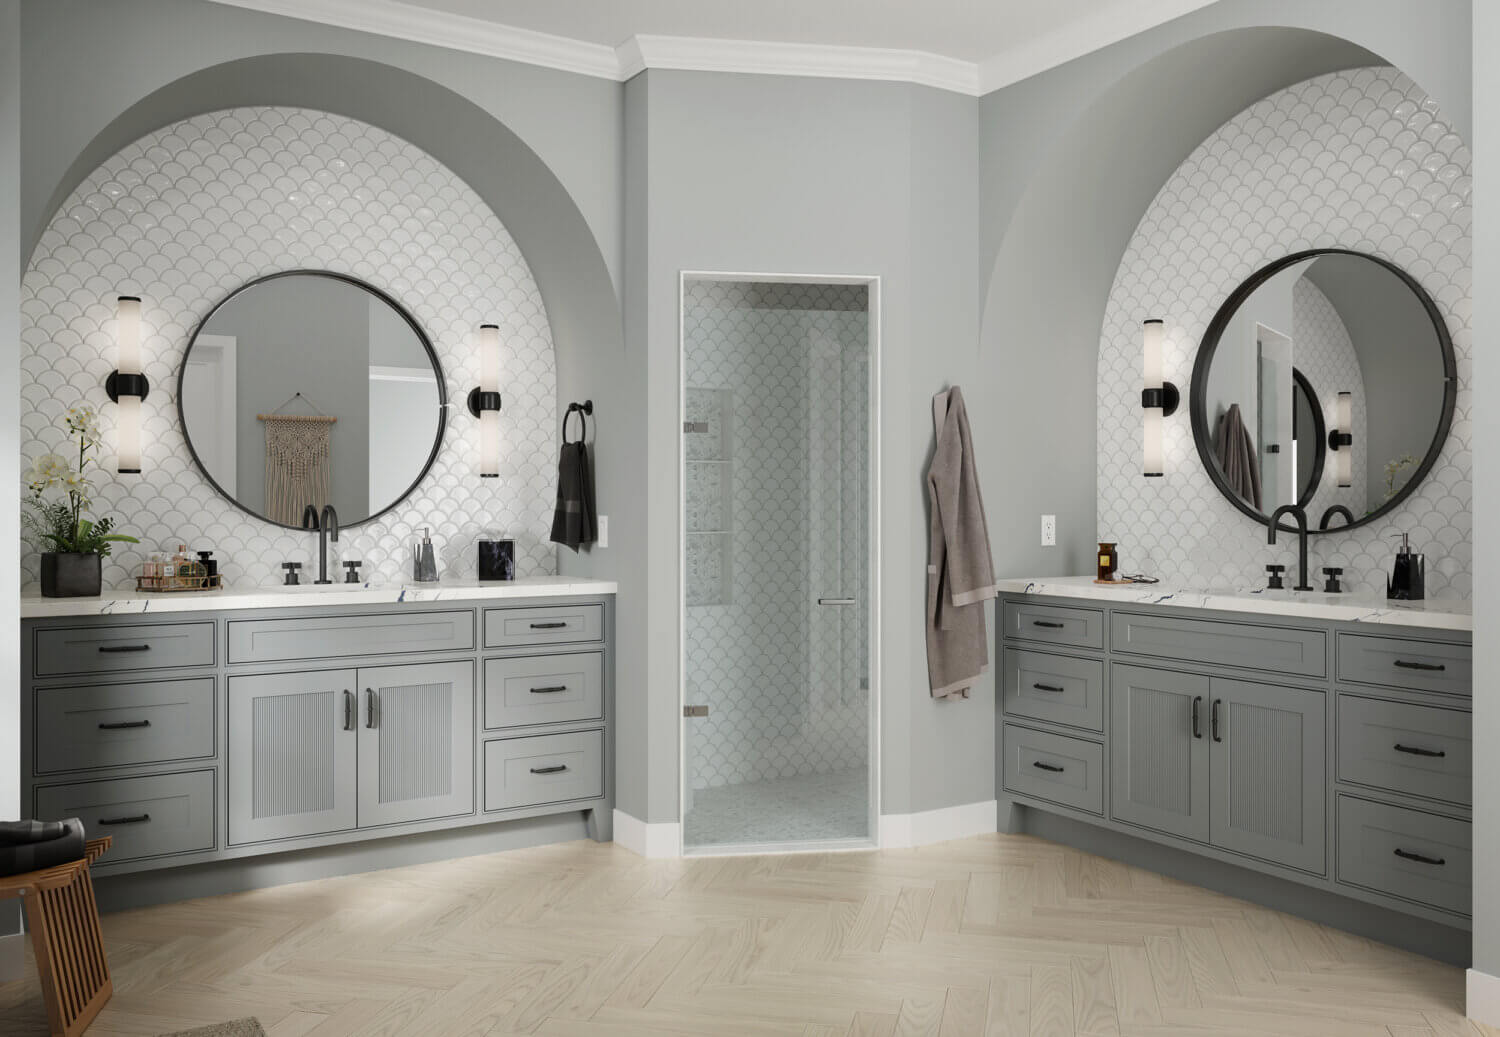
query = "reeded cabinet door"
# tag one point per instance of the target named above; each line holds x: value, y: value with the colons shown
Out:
x: 291, y: 755
x: 1158, y: 764
x: 416, y: 742
x: 1269, y: 789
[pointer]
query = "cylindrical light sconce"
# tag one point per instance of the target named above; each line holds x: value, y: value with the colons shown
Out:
x: 1341, y: 439
x: 484, y: 401
x: 1159, y: 398
x: 127, y: 386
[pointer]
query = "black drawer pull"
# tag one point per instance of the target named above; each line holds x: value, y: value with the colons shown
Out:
x: 1048, y: 624
x: 132, y: 820
x: 549, y: 690
x: 1434, y: 667
x: 1197, y: 704
x: 1039, y: 765
x: 124, y: 725
x: 1407, y: 855
x: 549, y: 770
x: 1414, y: 751
x: 124, y: 648
x: 549, y: 626
x: 1048, y: 687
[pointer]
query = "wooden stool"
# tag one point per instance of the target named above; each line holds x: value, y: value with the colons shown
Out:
x: 64, y: 924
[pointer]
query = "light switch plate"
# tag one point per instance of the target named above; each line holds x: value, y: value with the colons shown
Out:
x: 1049, y: 530
x: 603, y: 540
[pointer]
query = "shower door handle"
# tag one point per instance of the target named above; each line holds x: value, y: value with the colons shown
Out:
x: 837, y: 601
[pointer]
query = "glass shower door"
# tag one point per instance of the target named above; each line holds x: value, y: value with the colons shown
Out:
x: 776, y: 519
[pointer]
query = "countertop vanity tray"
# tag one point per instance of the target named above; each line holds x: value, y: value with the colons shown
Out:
x: 191, y: 581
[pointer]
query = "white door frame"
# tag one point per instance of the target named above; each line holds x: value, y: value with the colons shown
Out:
x: 872, y: 640
x: 221, y: 352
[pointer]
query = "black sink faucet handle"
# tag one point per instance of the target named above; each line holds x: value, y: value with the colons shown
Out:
x: 1275, y: 583
x: 293, y: 577
x: 352, y: 574
x: 1333, y: 573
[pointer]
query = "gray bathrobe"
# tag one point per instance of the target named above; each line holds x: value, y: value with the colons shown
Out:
x: 960, y: 572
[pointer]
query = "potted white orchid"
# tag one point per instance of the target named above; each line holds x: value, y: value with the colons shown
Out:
x: 72, y: 545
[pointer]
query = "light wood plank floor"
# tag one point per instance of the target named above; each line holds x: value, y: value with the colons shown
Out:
x: 991, y: 935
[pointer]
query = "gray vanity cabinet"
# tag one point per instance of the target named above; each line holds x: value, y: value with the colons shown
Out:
x: 293, y: 750
x: 1266, y: 777
x: 1159, y: 760
x: 416, y: 742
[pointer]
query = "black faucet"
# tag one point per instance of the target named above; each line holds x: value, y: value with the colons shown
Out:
x: 1301, y: 517
x: 328, y: 529
x: 1336, y: 509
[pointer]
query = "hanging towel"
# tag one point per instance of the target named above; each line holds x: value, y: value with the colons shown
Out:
x: 1237, y: 458
x: 574, y: 521
x: 33, y: 845
x: 960, y: 572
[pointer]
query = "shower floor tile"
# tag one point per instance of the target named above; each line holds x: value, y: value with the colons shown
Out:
x: 802, y: 809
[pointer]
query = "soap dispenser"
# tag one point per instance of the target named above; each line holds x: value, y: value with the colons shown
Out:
x: 424, y: 562
x: 1408, y: 580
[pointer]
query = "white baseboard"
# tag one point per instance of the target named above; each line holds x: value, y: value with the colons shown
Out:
x: 12, y: 957
x: 1483, y: 997
x: 937, y: 826
x: 662, y: 839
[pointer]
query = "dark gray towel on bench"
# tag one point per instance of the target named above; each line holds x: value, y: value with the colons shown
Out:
x: 48, y: 843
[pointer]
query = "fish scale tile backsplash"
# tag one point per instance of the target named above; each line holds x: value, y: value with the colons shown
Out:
x: 1362, y: 160
x: 185, y: 215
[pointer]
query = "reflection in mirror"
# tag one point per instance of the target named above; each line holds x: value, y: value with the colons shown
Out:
x: 1280, y: 357
x: 311, y: 388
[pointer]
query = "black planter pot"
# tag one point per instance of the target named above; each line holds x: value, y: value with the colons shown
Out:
x: 70, y: 575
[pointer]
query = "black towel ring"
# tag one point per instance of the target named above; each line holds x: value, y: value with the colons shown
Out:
x: 582, y: 410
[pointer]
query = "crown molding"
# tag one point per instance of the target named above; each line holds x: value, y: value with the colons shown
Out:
x: 454, y: 31
x: 1079, y: 37
x: 758, y: 57
x: 492, y: 39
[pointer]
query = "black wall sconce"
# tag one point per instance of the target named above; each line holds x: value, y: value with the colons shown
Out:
x: 1341, y: 438
x: 1159, y: 398
x: 484, y: 401
x: 126, y: 386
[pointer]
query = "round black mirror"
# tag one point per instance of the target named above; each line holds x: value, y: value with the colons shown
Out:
x: 1327, y: 380
x: 311, y: 388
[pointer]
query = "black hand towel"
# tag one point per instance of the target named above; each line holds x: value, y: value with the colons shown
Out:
x: 66, y: 844
x: 574, y: 521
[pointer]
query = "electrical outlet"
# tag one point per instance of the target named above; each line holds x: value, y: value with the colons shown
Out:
x: 1049, y: 530
x: 603, y: 538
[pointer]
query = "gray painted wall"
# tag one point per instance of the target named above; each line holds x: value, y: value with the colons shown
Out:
x: 11, y: 958
x: 1486, y: 146
x: 766, y: 174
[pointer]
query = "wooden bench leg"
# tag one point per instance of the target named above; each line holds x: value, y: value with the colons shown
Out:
x: 69, y: 948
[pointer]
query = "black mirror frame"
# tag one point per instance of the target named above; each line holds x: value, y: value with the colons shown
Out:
x: 1210, y: 343
x: 1320, y: 437
x: 437, y: 369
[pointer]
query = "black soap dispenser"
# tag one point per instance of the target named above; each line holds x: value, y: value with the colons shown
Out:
x: 1408, y: 580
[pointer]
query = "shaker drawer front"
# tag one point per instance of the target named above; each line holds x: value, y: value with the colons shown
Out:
x: 148, y: 817
x: 1054, y: 688
x: 1054, y: 624
x: 1405, y: 853
x: 332, y: 637
x: 111, y: 648
x: 1399, y: 663
x: 549, y: 689
x: 553, y: 624
x: 524, y: 772
x: 114, y: 725
x: 1419, y: 750
x: 1063, y: 770
x: 1279, y: 649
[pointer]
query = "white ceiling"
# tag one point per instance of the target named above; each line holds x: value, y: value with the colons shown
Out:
x: 972, y: 46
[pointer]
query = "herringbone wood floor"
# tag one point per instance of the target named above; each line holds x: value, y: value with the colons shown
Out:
x: 991, y: 935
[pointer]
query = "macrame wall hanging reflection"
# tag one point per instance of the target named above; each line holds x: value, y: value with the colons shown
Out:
x: 298, y: 447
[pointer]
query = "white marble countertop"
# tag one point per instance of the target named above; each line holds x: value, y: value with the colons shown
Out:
x: 119, y: 603
x: 1349, y: 608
